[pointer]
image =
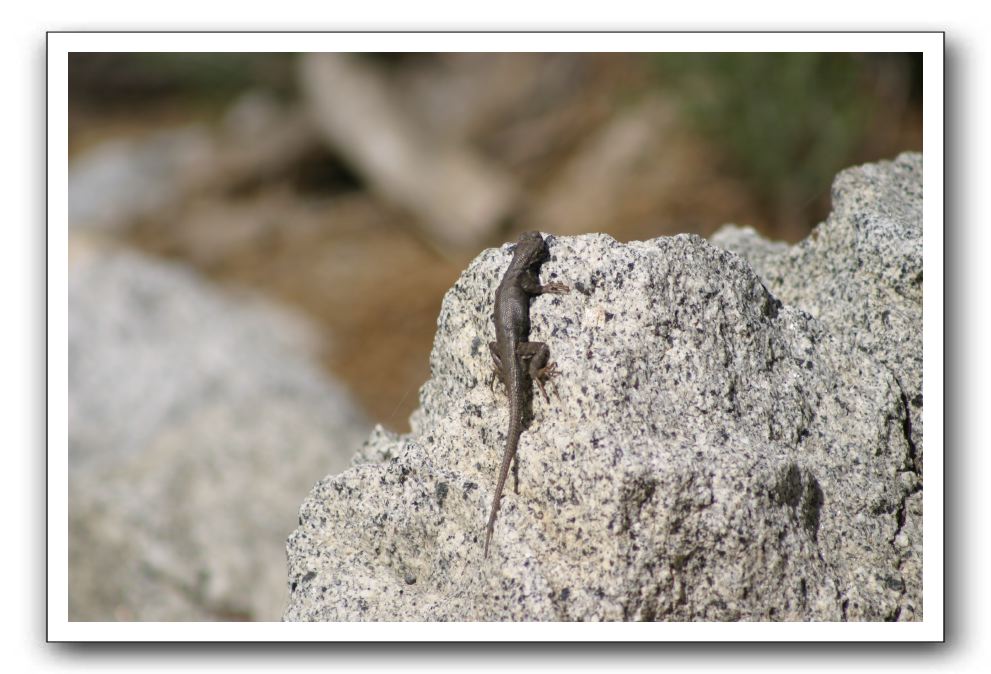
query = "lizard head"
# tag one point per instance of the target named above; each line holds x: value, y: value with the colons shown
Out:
x: 530, y: 249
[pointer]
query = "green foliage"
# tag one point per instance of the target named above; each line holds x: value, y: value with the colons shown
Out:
x: 205, y: 77
x: 787, y: 121
x: 216, y: 74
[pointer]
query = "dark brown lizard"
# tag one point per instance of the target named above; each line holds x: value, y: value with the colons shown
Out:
x: 518, y: 362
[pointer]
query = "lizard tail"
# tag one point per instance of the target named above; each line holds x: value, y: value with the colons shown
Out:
x: 512, y: 442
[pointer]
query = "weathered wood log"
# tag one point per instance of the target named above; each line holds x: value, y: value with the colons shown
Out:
x: 458, y: 197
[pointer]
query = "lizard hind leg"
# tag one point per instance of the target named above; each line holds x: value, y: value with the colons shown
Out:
x: 542, y: 375
x: 539, y: 369
x: 496, y: 366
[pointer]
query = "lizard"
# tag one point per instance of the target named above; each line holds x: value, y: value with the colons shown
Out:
x: 518, y: 361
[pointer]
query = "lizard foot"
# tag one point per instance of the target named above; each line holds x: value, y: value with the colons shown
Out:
x: 496, y: 376
x: 556, y: 288
x: 543, y: 374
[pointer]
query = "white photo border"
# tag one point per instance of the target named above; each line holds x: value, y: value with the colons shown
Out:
x: 60, y: 44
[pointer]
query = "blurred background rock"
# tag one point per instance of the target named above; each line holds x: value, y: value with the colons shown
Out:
x: 262, y: 241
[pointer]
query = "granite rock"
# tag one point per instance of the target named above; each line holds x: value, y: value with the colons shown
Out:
x: 710, y: 451
x: 117, y: 182
x: 197, y: 421
x: 860, y: 272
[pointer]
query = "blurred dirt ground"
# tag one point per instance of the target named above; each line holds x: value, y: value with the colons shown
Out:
x: 591, y: 142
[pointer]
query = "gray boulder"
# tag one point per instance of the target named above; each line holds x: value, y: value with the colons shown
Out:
x: 120, y: 181
x: 860, y: 272
x: 709, y: 452
x: 197, y: 420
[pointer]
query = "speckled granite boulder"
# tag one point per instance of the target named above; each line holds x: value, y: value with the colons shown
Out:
x: 711, y: 453
x: 860, y: 272
x: 198, y: 419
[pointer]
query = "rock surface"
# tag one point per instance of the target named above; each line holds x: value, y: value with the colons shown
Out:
x: 197, y: 421
x: 120, y: 181
x: 860, y: 272
x: 712, y: 452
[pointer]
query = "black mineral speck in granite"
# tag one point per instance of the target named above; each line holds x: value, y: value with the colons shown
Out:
x: 441, y: 492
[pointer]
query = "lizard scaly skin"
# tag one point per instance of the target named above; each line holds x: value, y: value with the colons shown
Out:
x: 517, y: 360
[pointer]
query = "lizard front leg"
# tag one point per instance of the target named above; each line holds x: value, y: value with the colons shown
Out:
x: 554, y: 288
x: 531, y: 286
